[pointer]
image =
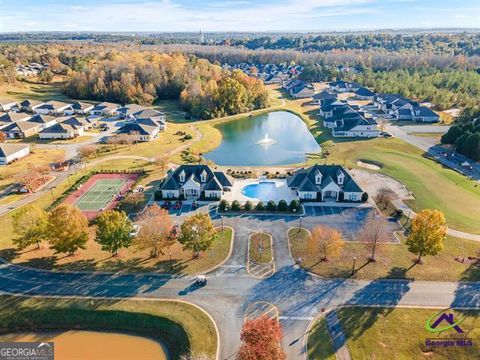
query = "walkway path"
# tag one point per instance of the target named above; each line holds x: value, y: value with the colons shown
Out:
x: 297, y: 295
x: 339, y: 339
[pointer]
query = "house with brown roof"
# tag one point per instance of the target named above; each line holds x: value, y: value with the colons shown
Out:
x: 52, y: 107
x: 21, y: 129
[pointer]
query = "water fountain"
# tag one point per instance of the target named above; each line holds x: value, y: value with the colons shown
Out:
x: 266, y: 141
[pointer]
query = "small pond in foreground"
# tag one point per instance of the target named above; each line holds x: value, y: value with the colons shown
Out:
x: 78, y: 345
x: 275, y: 138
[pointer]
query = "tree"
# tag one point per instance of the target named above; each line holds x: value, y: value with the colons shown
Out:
x: 248, y: 206
x: 46, y: 76
x: 374, y: 234
x: 427, y: 233
x: 30, y: 226
x: 294, y: 205
x: 67, y: 229
x: 3, y: 137
x: 271, y: 206
x: 155, y: 231
x: 260, y: 206
x: 236, y: 205
x: 133, y: 199
x: 384, y: 196
x: 87, y: 151
x: 197, y: 233
x: 113, y: 231
x: 326, y: 241
x: 282, y: 205
x: 223, y: 205
x: 261, y: 340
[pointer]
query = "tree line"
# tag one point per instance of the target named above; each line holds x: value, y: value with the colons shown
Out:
x: 465, y: 134
x: 204, y: 89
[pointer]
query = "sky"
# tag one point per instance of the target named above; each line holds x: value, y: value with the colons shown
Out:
x: 235, y: 15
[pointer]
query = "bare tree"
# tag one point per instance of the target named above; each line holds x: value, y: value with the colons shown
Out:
x: 27, y: 178
x: 87, y: 151
x: 384, y: 196
x: 374, y: 234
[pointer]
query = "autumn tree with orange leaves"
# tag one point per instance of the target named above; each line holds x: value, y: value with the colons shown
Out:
x: 261, y: 340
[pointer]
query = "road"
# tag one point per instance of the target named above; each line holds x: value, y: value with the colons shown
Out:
x: 298, y: 295
x: 430, y: 146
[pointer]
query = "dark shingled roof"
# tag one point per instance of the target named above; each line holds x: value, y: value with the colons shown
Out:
x: 304, y: 179
x: 214, y: 181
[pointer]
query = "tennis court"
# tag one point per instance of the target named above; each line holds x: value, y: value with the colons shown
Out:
x: 97, y: 197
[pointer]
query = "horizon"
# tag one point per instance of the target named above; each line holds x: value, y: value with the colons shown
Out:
x: 304, y: 16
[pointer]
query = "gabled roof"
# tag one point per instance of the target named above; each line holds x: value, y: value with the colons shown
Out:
x: 59, y: 128
x: 7, y: 101
x: 423, y: 111
x: 301, y: 87
x: 323, y: 95
x: 41, y: 119
x: 141, y: 129
x: 105, y: 106
x: 14, y: 117
x: 54, y: 105
x: 10, y: 149
x: 350, y: 123
x: 304, y: 179
x: 130, y: 109
x: 29, y: 102
x: 74, y: 121
x: 78, y: 105
x: 151, y: 121
x: 214, y: 180
x: 145, y: 113
x: 363, y: 91
x: 21, y: 125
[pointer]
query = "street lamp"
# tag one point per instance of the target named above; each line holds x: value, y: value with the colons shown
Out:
x: 353, y: 267
x: 51, y: 193
x: 300, y: 227
x: 222, y: 222
x: 171, y: 263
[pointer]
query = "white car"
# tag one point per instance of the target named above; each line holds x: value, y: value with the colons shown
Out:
x: 135, y: 230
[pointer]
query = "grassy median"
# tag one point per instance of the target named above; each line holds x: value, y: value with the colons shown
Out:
x: 393, y: 261
x: 260, y: 249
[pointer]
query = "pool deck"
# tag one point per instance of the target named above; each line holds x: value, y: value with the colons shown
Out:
x: 283, y: 192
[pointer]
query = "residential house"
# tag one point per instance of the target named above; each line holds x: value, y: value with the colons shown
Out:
x: 75, y: 121
x: 104, y: 109
x: 127, y: 111
x: 61, y: 131
x: 343, y: 86
x: 324, y: 95
x: 356, y: 126
x: 30, y: 105
x: 21, y: 129
x: 302, y: 91
x: 52, y: 107
x: 424, y: 114
x: 12, y: 117
x: 325, y: 183
x: 140, y: 132
x: 45, y: 121
x: 364, y: 94
x: 12, y: 152
x: 7, y: 104
x: 194, y: 182
x: 274, y: 79
x: 79, y: 108
x: 292, y: 84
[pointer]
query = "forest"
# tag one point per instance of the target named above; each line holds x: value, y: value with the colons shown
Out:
x: 465, y: 134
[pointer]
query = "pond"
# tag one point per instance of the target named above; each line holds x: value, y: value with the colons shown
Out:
x: 71, y: 345
x: 275, y: 138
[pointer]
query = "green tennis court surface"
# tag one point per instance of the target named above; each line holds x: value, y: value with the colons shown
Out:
x: 100, y: 194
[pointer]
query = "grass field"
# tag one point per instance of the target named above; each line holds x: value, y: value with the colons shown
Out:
x: 182, y: 327
x: 400, y: 334
x: 100, y: 194
x: 260, y: 250
x: 25, y: 90
x: 393, y: 261
x: 319, y: 344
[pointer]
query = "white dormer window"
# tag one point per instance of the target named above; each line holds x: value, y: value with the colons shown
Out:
x: 340, y: 178
x: 203, y: 176
x: 318, y: 177
x: 181, y: 176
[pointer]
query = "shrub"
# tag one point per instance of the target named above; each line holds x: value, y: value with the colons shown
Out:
x: 294, y: 205
x: 223, y: 205
x: 157, y: 195
x: 187, y: 137
x: 248, y: 206
x: 282, y: 205
x: 364, y: 197
x: 271, y: 206
x: 260, y: 206
x: 236, y: 205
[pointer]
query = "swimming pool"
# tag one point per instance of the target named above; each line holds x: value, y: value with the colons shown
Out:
x: 264, y: 191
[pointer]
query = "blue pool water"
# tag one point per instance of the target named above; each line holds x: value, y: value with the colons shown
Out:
x: 264, y: 190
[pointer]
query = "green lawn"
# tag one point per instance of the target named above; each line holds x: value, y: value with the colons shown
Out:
x: 182, y: 327
x: 26, y: 90
x: 100, y: 194
x: 260, y: 250
x: 319, y: 343
x: 400, y: 334
x: 393, y: 261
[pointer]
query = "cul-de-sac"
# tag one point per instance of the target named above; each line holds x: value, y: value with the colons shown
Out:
x: 239, y: 180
